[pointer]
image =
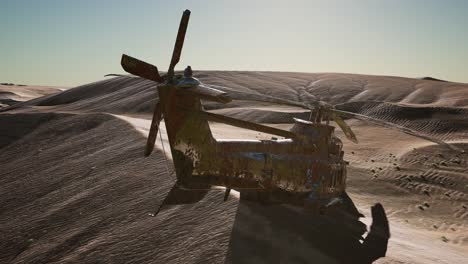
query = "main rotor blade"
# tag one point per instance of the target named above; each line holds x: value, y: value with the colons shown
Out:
x: 179, y: 43
x: 114, y: 75
x: 236, y: 95
x: 207, y: 93
x: 396, y: 127
x: 340, y: 122
x: 244, y: 96
x: 140, y: 68
x: 344, y: 127
x: 244, y: 124
x: 153, y: 133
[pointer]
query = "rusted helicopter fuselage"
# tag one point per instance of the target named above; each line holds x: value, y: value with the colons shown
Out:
x: 308, y: 168
x: 305, y: 167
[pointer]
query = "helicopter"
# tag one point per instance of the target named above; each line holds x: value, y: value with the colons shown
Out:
x: 303, y: 166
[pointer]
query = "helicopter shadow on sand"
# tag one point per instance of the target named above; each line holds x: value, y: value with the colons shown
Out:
x: 285, y: 234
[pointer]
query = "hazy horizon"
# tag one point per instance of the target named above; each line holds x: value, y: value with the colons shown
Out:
x: 65, y: 43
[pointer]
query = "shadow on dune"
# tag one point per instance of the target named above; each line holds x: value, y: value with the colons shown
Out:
x: 280, y: 234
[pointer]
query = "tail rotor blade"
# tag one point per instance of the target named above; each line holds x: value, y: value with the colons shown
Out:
x: 153, y: 133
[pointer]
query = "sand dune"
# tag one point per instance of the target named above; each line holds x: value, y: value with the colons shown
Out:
x: 135, y: 95
x: 11, y: 94
x: 75, y: 188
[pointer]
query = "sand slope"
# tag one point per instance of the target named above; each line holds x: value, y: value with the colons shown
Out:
x: 75, y: 188
x: 91, y: 203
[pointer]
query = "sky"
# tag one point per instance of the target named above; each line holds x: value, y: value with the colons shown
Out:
x: 74, y: 42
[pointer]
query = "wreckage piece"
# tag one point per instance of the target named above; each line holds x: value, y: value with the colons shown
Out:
x: 306, y: 168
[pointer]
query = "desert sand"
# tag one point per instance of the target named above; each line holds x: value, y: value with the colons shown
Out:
x: 13, y: 93
x: 75, y: 187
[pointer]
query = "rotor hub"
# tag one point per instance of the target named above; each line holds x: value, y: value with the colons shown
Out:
x: 188, y: 72
x: 188, y: 80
